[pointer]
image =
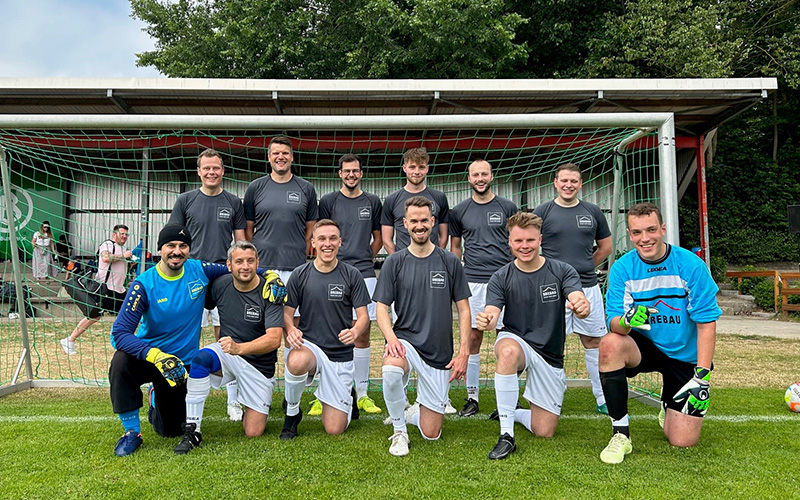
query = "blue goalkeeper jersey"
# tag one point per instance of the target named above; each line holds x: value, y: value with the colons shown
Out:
x: 679, y: 285
x: 165, y: 312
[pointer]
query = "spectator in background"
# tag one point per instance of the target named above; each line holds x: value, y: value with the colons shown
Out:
x: 43, y: 251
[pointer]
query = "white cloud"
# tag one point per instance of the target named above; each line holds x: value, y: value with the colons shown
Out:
x: 75, y: 38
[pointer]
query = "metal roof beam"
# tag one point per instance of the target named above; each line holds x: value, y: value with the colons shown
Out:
x: 118, y: 101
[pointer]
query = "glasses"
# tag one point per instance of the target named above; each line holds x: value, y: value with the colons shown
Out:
x: 348, y: 172
x: 45, y: 227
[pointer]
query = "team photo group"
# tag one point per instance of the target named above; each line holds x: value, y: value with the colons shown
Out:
x: 242, y: 267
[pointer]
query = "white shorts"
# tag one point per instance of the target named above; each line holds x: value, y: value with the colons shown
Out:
x: 285, y: 275
x: 370, y: 282
x: 214, y: 317
x: 545, y: 385
x: 595, y: 324
x: 433, y: 384
x: 254, y: 389
x: 477, y: 303
x: 335, y: 380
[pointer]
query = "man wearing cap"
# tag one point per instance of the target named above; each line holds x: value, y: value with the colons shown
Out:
x: 157, y: 335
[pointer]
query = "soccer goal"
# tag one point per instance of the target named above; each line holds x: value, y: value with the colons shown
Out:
x: 86, y: 173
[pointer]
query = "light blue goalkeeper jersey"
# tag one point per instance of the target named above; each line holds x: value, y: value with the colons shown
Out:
x: 679, y: 285
x: 165, y: 312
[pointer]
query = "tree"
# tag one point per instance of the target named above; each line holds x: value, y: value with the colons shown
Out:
x: 330, y: 38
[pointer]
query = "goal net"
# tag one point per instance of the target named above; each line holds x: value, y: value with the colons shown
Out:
x: 85, y: 178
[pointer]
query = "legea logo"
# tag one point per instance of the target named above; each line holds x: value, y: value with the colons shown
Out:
x: 21, y: 205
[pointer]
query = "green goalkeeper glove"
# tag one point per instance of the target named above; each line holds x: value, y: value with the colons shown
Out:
x: 695, y: 393
x: 274, y: 290
x: 171, y: 367
x: 637, y: 316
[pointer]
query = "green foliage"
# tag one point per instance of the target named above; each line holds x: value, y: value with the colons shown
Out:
x: 748, y: 284
x: 763, y: 292
x: 718, y: 268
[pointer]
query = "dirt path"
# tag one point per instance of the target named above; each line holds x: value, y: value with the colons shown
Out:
x: 745, y: 325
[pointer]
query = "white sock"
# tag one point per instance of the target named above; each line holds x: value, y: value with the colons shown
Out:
x: 506, y: 389
x: 623, y: 422
x: 415, y: 421
x: 196, y: 394
x: 394, y: 395
x: 232, y: 392
x: 592, y: 357
x: 293, y: 386
x: 523, y: 417
x: 361, y: 357
x: 473, y: 376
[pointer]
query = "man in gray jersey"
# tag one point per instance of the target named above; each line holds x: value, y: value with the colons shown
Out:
x: 280, y: 209
x: 422, y: 281
x: 570, y: 229
x: 246, y: 350
x: 327, y: 290
x: 395, y: 235
x: 480, y: 222
x: 212, y: 215
x: 534, y: 291
x: 358, y: 214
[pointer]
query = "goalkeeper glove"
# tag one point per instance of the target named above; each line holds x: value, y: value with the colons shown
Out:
x: 274, y: 290
x: 637, y: 316
x: 171, y: 367
x: 695, y: 393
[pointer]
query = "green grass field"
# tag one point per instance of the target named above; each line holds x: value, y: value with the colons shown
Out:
x: 57, y: 443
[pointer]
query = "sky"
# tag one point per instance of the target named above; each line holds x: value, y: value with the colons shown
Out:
x: 73, y: 38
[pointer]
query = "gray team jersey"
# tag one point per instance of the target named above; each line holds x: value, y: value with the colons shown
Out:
x: 245, y: 316
x: 534, y: 305
x: 394, y: 210
x: 569, y: 234
x: 423, y: 292
x: 357, y: 218
x: 210, y: 220
x: 279, y: 212
x: 485, y: 237
x: 327, y: 301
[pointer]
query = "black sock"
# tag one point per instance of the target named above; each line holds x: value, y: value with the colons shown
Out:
x: 615, y: 389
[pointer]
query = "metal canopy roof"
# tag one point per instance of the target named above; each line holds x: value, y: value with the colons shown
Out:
x: 700, y: 105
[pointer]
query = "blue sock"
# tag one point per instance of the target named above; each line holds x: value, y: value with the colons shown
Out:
x: 130, y: 421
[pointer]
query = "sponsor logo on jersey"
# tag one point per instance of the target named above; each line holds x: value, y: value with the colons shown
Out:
x: 549, y: 292
x: 656, y: 269
x: 252, y: 313
x: 293, y: 197
x: 494, y: 218
x: 438, y: 279
x: 335, y: 292
x: 224, y: 213
x: 585, y: 220
x: 364, y: 213
x: 162, y: 300
x: 660, y: 303
x: 196, y: 288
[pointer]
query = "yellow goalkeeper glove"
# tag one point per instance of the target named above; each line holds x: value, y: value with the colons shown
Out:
x: 170, y: 366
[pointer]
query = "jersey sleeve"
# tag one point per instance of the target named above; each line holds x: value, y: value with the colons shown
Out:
x: 495, y: 291
x: 444, y: 210
x: 454, y: 228
x: 211, y: 295
x: 249, y: 203
x: 239, y: 220
x: 603, y: 230
x: 615, y: 294
x: 388, y: 211
x: 511, y: 208
x: 178, y: 216
x: 384, y: 288
x: 325, y: 205
x: 571, y: 280
x: 377, y: 210
x: 360, y: 296
x: 312, y: 211
x: 293, y: 288
x: 461, y: 289
x: 123, y: 331
x: 703, y: 306
x: 273, y: 315
x: 214, y: 271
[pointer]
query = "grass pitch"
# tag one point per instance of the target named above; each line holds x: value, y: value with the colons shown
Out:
x: 58, y: 443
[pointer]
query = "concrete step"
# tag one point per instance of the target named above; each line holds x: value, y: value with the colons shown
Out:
x: 728, y: 292
x: 733, y: 305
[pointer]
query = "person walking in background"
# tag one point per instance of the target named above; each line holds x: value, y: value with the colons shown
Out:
x: 43, y: 251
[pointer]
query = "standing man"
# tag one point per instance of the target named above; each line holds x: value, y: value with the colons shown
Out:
x: 246, y: 350
x: 280, y: 210
x: 327, y: 291
x: 422, y: 281
x: 534, y: 291
x: 156, y: 335
x: 358, y: 214
x: 662, y: 311
x: 395, y: 235
x: 112, y: 269
x: 570, y: 229
x: 480, y: 222
x: 214, y: 217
